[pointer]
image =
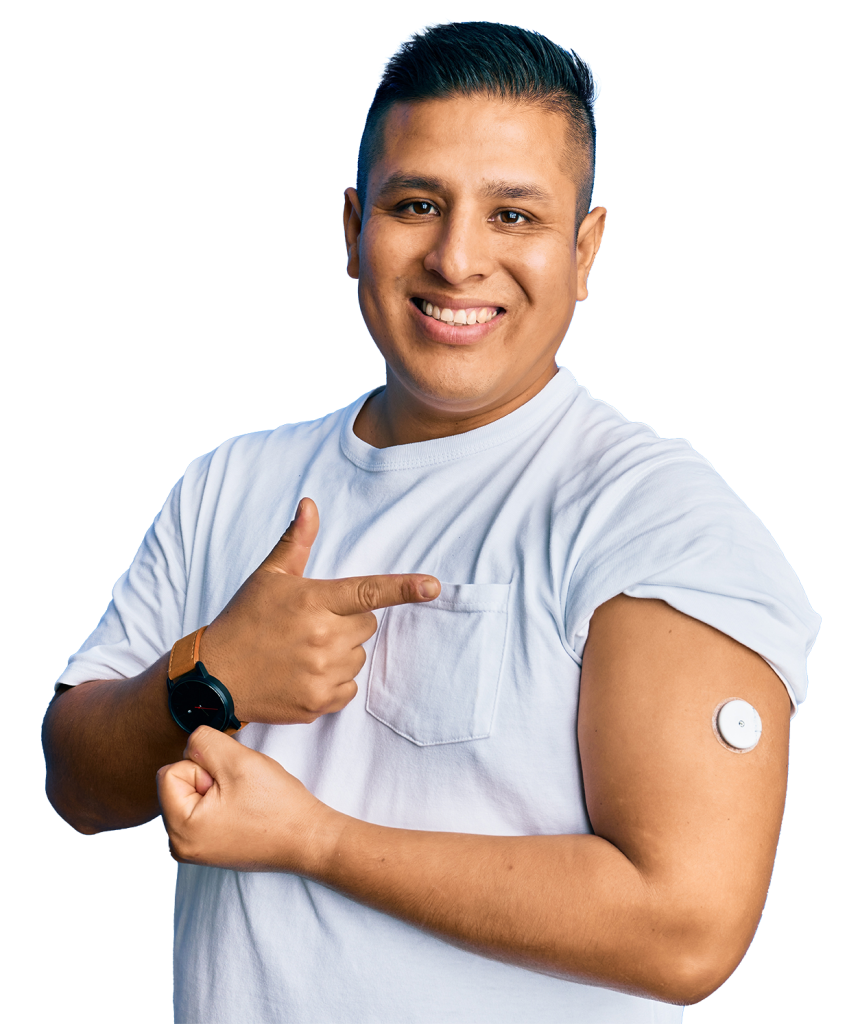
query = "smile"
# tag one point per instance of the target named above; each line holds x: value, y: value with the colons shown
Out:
x: 458, y: 317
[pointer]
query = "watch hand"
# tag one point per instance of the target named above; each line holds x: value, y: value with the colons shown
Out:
x: 200, y: 707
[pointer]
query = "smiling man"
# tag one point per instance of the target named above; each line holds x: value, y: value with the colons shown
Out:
x: 517, y: 677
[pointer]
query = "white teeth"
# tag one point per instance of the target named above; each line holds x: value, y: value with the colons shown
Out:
x: 461, y: 317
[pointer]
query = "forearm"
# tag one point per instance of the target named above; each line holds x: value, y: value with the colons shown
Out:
x: 572, y: 906
x: 104, y: 741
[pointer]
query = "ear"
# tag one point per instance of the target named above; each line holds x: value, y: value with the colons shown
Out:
x: 587, y: 244
x: 351, y: 229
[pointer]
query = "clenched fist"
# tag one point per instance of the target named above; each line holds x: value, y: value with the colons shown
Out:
x: 232, y: 807
x: 289, y: 648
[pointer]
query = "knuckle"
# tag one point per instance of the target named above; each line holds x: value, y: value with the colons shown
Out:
x: 318, y: 634
x: 315, y: 704
x: 368, y: 592
x: 346, y: 693
x: 360, y: 660
x: 317, y: 662
x: 311, y: 595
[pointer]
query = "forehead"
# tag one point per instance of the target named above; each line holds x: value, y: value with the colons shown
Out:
x: 474, y: 139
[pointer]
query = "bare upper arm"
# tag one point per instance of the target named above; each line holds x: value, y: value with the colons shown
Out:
x: 700, y: 821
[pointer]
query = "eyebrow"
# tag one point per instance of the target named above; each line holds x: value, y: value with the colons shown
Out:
x: 409, y: 183
x: 514, y: 190
x: 495, y: 189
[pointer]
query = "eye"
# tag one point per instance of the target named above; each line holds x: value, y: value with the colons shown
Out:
x: 420, y: 207
x: 511, y: 217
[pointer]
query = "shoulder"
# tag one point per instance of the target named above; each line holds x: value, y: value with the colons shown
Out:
x: 650, y: 517
x: 614, y: 465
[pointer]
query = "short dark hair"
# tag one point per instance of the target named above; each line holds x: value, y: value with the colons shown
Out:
x: 470, y: 58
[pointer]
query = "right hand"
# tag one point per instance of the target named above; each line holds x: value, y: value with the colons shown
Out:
x: 289, y: 648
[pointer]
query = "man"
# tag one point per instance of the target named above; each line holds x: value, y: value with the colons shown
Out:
x: 486, y: 774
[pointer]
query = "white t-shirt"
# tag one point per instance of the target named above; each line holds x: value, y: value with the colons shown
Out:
x: 465, y: 718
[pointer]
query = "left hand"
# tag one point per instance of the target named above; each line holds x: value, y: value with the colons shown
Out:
x: 231, y: 807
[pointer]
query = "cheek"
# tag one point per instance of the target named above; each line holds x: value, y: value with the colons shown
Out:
x: 547, y: 274
x: 384, y: 260
x: 372, y: 269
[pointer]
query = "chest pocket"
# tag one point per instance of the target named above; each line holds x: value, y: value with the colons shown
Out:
x: 435, y: 670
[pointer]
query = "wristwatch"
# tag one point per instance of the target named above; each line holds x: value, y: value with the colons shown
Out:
x: 193, y: 695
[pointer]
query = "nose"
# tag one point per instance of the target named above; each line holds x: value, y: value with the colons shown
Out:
x: 461, y: 249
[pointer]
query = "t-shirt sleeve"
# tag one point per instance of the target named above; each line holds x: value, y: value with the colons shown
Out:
x: 145, y: 615
x: 674, y: 531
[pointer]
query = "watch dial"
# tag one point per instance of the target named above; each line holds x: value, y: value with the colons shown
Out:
x: 194, y: 703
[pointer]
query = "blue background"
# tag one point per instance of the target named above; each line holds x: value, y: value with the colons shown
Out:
x: 210, y: 159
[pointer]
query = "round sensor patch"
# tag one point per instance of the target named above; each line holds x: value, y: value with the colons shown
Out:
x: 738, y: 724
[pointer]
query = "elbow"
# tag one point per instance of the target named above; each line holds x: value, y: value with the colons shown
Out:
x: 78, y: 822
x: 68, y: 800
x: 699, y: 961
x: 71, y: 813
x: 689, y: 979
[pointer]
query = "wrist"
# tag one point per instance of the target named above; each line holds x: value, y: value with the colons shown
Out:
x: 213, y: 654
x: 195, y: 695
x: 322, y: 849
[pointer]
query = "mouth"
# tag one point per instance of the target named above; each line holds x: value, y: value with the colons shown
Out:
x: 463, y: 317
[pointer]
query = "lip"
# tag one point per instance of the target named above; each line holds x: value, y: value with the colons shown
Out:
x: 448, y: 334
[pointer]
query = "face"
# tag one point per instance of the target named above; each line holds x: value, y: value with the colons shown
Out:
x: 466, y: 253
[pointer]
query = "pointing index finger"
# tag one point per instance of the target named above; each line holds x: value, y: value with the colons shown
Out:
x: 357, y: 594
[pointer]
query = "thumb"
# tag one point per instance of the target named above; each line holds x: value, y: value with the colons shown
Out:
x: 214, y: 754
x: 290, y: 555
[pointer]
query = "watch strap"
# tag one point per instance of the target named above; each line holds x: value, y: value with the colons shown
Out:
x: 185, y: 654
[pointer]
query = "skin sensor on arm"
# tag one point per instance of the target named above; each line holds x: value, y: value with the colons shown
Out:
x: 737, y: 724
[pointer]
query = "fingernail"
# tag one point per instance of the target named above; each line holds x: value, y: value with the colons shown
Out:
x: 299, y: 510
x: 427, y: 589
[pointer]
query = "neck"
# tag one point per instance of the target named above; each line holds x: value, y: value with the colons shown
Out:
x: 395, y: 415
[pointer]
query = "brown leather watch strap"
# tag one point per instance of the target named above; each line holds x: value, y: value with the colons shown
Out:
x: 185, y: 654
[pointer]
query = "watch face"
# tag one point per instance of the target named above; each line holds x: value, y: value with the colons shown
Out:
x: 193, y: 703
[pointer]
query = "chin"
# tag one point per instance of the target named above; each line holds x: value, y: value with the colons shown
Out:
x: 455, y: 388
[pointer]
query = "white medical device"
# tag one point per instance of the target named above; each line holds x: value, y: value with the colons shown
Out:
x: 738, y: 724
